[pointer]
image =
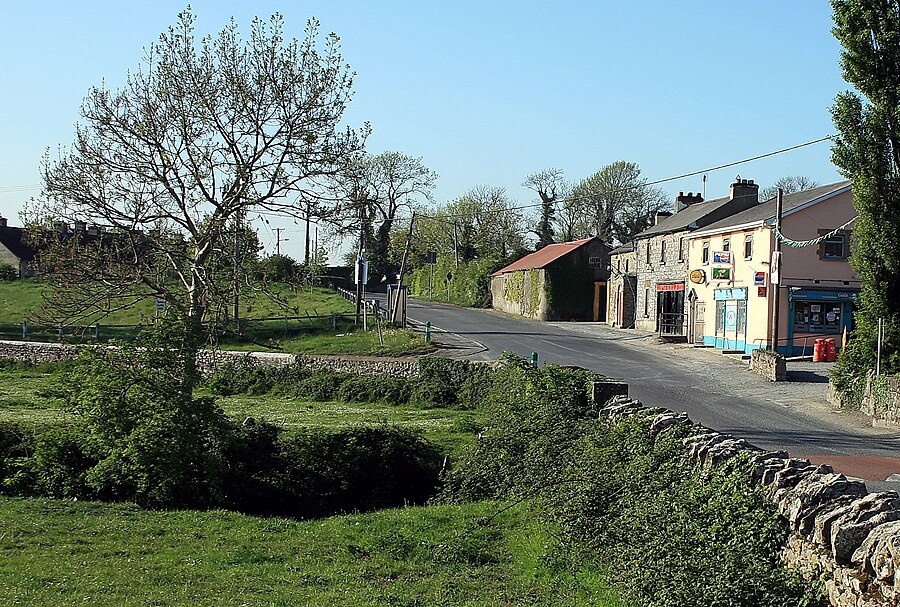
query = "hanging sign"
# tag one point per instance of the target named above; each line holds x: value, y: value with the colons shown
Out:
x: 775, y: 268
x: 759, y: 279
x: 721, y: 273
x: 698, y: 277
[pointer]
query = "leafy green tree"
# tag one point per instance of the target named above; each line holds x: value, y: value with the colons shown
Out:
x: 616, y: 203
x: 867, y: 151
x: 203, y: 133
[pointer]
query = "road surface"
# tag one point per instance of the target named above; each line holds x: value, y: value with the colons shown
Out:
x: 714, y: 390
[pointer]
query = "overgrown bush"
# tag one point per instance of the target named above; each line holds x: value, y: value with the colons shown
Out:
x: 442, y: 382
x: 666, y: 533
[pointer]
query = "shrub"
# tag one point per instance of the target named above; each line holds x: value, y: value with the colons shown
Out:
x: 664, y: 532
x: 445, y: 382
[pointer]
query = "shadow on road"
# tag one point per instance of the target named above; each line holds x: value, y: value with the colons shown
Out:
x: 808, y: 377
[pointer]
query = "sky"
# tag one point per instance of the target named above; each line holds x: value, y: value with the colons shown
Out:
x: 486, y: 93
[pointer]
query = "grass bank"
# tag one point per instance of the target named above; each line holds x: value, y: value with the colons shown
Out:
x: 88, y: 553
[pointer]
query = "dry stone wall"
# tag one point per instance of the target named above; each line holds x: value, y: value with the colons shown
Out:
x: 840, y: 533
x: 39, y: 352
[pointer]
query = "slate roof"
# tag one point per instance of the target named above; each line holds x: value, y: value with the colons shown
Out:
x: 765, y: 212
x: 14, y: 240
x: 684, y: 218
x: 544, y: 257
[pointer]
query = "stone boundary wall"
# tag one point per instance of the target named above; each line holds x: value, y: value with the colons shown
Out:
x: 840, y: 533
x: 881, y: 400
x: 208, y: 360
x: 768, y: 364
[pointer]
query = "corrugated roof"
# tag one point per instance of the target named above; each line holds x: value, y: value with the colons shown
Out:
x: 766, y: 211
x: 543, y: 257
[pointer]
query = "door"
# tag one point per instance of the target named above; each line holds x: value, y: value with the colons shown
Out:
x: 699, y: 324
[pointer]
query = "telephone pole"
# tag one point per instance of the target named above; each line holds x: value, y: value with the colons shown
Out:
x: 775, y: 271
x: 278, y: 240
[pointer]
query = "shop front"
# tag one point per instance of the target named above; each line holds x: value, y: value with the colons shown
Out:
x: 731, y: 319
x: 818, y: 313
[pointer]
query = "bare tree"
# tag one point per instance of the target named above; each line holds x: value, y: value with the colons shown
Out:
x: 789, y: 185
x: 549, y: 185
x: 202, y: 133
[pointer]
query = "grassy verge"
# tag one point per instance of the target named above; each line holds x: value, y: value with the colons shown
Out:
x: 26, y: 397
x: 87, y: 553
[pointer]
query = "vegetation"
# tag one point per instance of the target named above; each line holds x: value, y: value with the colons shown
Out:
x: 59, y: 552
x: 626, y: 502
x: 866, y: 152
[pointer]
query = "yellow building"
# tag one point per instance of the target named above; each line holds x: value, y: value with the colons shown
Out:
x: 730, y: 282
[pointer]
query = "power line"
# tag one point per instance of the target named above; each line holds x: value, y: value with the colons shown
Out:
x: 574, y: 199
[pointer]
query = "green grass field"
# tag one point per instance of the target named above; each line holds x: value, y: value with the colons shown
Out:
x: 20, y: 301
x: 88, y: 553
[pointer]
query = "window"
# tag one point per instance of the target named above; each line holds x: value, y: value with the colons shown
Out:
x: 748, y: 246
x: 627, y: 264
x: 706, y: 253
x: 681, y: 249
x: 817, y: 316
x: 834, y: 247
x: 646, y: 303
x: 662, y: 251
x: 648, y: 252
x: 726, y: 244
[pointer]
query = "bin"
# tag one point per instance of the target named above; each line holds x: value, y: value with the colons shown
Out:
x: 819, y: 351
x: 830, y: 350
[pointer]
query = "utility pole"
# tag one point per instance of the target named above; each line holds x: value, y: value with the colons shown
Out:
x: 359, y: 260
x: 278, y: 240
x: 775, y: 270
x: 412, y: 221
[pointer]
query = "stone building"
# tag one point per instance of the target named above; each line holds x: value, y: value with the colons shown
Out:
x: 15, y: 252
x: 661, y: 256
x: 562, y: 281
x: 622, y: 287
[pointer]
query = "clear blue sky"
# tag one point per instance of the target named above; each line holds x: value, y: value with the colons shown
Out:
x: 485, y: 92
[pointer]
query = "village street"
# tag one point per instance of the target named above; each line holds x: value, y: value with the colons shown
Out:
x: 716, y: 391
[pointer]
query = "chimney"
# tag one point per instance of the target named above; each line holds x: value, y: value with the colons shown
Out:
x: 742, y: 188
x: 80, y: 226
x: 93, y: 230
x: 2, y: 222
x: 683, y: 200
x: 660, y: 215
x: 60, y: 228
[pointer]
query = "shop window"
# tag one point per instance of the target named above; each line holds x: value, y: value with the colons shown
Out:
x: 748, y: 246
x: 817, y: 316
x: 706, y: 253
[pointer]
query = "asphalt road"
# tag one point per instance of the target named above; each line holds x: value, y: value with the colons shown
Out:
x: 714, y: 390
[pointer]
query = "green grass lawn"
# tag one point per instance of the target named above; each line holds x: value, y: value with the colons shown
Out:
x: 88, y: 553
x: 26, y: 395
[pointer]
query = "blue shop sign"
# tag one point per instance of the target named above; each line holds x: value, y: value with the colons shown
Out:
x: 728, y: 294
x: 811, y: 295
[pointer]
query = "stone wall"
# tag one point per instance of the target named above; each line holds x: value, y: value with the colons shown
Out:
x: 208, y: 360
x: 840, y: 533
x: 881, y: 400
x: 768, y: 364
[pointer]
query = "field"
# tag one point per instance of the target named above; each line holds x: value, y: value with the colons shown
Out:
x: 88, y: 553
x: 309, y: 310
x: 55, y: 552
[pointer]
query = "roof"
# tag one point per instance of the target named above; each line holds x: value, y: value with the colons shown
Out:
x: 628, y: 247
x: 544, y: 257
x: 683, y: 219
x: 765, y: 212
x: 14, y: 240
